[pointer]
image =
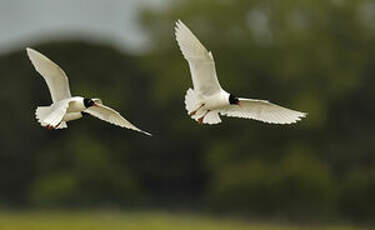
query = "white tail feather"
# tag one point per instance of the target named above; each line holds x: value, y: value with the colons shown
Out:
x: 190, y: 100
x: 41, y: 113
x: 62, y: 125
x: 212, y: 118
x: 191, y: 104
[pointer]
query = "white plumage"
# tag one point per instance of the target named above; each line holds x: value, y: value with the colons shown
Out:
x: 110, y: 115
x: 65, y: 107
x: 208, y: 100
x: 201, y: 62
x: 262, y: 110
x: 55, y: 77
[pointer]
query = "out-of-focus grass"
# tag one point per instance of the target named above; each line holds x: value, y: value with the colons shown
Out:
x: 107, y: 220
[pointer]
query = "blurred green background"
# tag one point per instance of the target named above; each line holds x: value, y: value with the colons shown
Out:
x: 314, y: 56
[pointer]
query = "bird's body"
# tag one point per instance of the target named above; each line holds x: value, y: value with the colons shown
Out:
x: 211, y: 102
x: 71, y: 116
x: 76, y: 105
x: 75, y: 110
x: 215, y: 101
x: 207, y: 101
x: 65, y: 107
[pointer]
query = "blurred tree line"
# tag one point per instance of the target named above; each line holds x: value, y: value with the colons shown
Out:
x: 313, y: 55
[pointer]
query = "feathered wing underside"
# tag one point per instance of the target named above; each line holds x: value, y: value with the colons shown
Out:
x: 201, y: 62
x: 212, y: 118
x: 55, y: 77
x: 264, y: 111
x: 53, y: 115
x: 107, y: 114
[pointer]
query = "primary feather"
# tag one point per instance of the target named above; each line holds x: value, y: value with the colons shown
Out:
x: 108, y: 114
x: 262, y: 110
x: 55, y: 77
x: 201, y: 62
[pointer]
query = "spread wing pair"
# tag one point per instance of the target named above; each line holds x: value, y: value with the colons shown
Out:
x: 65, y: 107
x: 208, y: 95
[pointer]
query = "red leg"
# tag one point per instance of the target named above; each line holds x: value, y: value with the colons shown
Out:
x: 200, y: 120
x: 195, y: 111
x: 49, y: 127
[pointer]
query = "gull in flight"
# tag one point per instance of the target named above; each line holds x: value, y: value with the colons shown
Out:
x: 65, y: 107
x: 207, y: 101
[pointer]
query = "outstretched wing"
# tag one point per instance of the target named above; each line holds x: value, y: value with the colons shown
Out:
x: 109, y: 115
x: 201, y: 62
x: 57, y: 81
x: 263, y: 111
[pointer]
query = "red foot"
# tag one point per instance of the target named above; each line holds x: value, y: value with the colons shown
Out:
x: 200, y: 120
x: 193, y: 113
x: 49, y: 127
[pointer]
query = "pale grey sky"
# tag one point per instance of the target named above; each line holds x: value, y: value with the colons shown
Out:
x: 27, y: 22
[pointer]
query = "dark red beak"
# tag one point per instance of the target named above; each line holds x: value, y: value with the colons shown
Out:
x: 239, y: 104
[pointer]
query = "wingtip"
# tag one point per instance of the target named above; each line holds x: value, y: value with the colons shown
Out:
x: 301, y: 116
x: 177, y: 26
x: 32, y: 52
x: 146, y: 133
x: 143, y: 132
x: 28, y: 50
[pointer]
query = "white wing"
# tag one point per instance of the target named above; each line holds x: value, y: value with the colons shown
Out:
x: 109, y: 115
x: 54, y: 76
x: 263, y: 111
x: 201, y: 62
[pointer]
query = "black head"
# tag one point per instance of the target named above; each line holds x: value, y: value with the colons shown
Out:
x: 88, y: 102
x: 233, y: 100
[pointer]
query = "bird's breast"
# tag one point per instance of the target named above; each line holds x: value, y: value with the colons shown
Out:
x: 72, y: 116
x: 216, y: 101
